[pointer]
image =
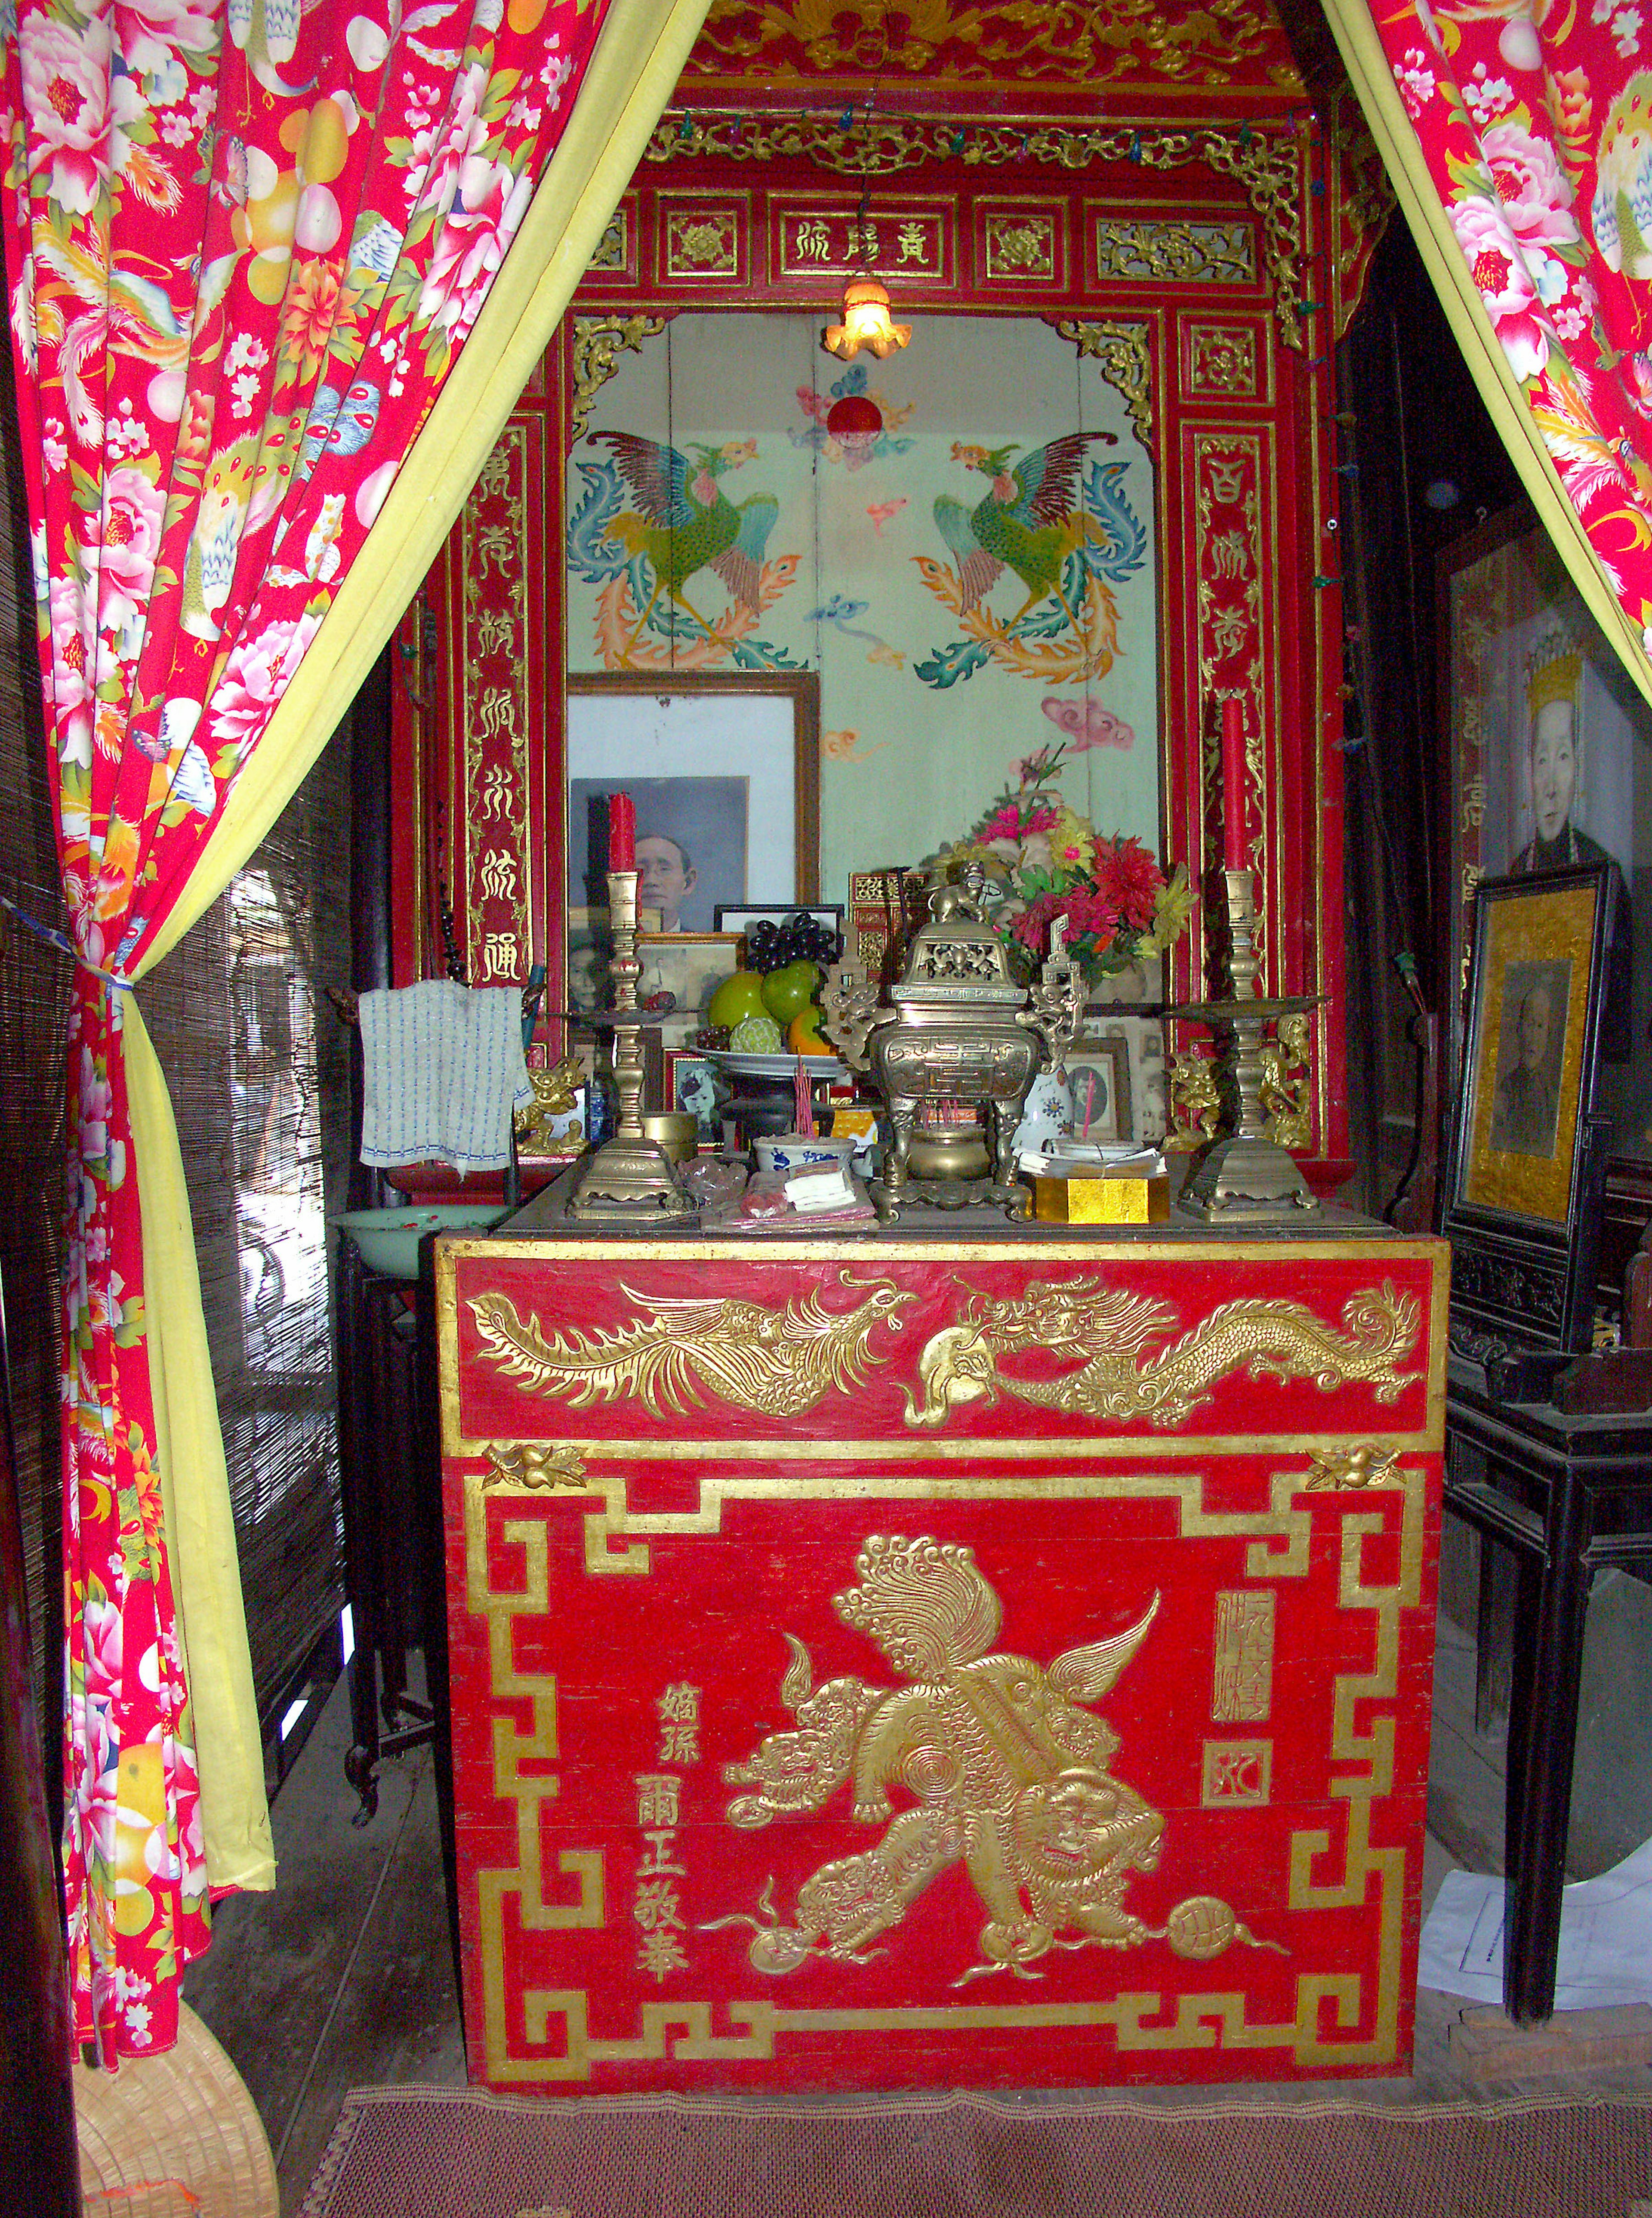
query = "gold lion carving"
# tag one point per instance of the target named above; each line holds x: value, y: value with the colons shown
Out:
x: 1132, y: 1368
x: 682, y: 1353
x: 997, y: 1765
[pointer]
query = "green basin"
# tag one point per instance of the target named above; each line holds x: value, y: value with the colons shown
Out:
x: 389, y: 1238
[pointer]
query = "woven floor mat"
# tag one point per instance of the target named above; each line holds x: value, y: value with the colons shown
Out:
x: 442, y: 2152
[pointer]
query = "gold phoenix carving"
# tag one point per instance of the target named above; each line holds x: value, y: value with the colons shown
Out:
x: 1268, y: 166
x: 599, y: 343
x: 999, y: 1766
x: 684, y: 1353
x: 1132, y: 1368
x: 1120, y: 349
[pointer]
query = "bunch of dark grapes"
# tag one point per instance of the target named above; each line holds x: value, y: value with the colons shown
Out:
x: 801, y: 937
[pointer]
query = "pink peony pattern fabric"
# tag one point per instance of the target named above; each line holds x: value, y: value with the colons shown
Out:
x: 244, y: 245
x: 1535, y: 121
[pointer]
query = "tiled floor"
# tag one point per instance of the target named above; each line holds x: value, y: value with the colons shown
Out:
x: 345, y: 1976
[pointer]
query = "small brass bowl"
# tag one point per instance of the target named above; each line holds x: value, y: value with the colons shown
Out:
x: 676, y: 1133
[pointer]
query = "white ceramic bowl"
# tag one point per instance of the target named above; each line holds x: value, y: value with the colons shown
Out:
x: 791, y: 1151
x: 389, y: 1238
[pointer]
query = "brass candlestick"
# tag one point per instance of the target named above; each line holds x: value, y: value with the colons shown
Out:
x: 628, y: 1176
x: 1246, y: 1174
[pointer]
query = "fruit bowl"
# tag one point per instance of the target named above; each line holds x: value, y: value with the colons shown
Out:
x: 773, y: 1066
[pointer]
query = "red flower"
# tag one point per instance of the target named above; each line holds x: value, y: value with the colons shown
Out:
x: 1129, y: 880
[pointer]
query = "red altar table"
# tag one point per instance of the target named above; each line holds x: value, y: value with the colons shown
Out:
x: 964, y: 1656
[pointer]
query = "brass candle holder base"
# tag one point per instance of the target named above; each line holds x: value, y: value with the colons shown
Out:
x: 629, y: 1176
x: 1245, y: 1175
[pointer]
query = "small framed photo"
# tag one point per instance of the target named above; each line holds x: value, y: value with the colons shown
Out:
x: 1526, y: 1158
x: 694, y: 1083
x: 1098, y: 1074
x: 687, y: 965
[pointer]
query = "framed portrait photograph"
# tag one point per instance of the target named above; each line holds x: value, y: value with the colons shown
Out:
x: 1551, y: 748
x: 688, y: 966
x: 1527, y: 1156
x: 1098, y: 1073
x: 694, y: 1083
x: 724, y: 770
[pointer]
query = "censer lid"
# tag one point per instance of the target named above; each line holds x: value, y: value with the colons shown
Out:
x: 958, y: 955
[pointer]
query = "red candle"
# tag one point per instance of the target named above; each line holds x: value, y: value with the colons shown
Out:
x: 622, y: 832
x: 1235, y: 787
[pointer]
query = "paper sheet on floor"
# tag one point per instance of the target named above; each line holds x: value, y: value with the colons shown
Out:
x: 1605, y: 1938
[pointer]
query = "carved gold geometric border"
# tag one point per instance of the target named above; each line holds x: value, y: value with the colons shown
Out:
x: 684, y: 2031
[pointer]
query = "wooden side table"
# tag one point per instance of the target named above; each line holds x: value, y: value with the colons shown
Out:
x: 1569, y: 1495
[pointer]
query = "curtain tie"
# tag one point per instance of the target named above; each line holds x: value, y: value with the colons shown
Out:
x: 64, y: 943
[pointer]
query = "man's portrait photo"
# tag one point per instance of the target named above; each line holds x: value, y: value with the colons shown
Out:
x: 1530, y: 1053
x: 691, y: 845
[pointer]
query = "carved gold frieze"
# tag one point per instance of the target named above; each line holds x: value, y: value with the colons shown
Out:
x: 1069, y: 45
x: 681, y: 1353
x: 1007, y: 1770
x: 701, y: 241
x: 1223, y: 362
x: 1189, y: 253
x: 1286, y: 1084
x: 613, y: 248
x: 1122, y: 353
x: 1269, y: 165
x: 1022, y: 246
x: 1131, y: 1367
x: 598, y: 342
x: 1241, y: 1686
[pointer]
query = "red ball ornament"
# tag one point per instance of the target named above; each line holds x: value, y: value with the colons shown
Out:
x: 854, y: 416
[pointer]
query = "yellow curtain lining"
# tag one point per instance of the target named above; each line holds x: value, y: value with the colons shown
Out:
x: 1372, y: 79
x: 198, y: 1523
x: 639, y: 58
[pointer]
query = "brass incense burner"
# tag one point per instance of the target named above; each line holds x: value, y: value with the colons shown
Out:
x: 954, y: 1052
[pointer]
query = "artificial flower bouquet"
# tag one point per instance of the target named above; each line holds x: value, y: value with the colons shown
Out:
x: 1050, y: 861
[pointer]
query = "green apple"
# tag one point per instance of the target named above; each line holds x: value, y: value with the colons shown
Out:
x: 737, y: 998
x: 790, y: 988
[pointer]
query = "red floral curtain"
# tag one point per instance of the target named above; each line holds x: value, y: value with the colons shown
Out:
x: 245, y: 246
x: 1530, y: 131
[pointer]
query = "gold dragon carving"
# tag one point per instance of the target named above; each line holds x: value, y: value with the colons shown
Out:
x: 997, y: 1764
x: 681, y: 1353
x: 1130, y: 1366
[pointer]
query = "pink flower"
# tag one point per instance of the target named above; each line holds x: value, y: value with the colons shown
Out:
x: 1002, y: 824
x: 76, y: 106
x: 74, y: 674
x: 1504, y: 282
x: 255, y: 678
x: 1416, y: 80
x: 149, y: 32
x: 119, y: 544
x: 472, y: 243
x: 449, y: 144
x: 1535, y: 191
